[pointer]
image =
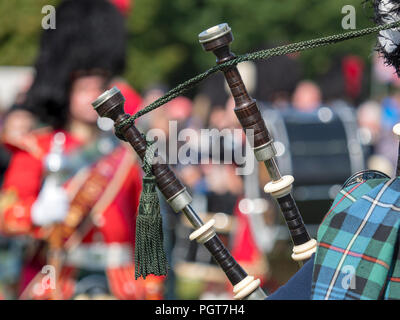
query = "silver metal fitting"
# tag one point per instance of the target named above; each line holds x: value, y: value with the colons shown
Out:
x: 265, y: 152
x: 257, y: 294
x: 180, y: 200
x: 105, y: 96
x: 214, y: 32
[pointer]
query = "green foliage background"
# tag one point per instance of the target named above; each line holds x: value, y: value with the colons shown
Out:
x: 163, y: 43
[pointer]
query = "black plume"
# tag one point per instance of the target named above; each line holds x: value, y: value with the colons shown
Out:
x: 89, y: 36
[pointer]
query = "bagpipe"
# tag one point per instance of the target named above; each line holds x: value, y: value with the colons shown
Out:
x: 217, y: 40
x: 110, y: 105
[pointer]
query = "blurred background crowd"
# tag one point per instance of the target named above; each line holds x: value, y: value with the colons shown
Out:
x: 330, y: 111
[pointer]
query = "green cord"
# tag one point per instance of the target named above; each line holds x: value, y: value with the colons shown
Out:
x: 262, y: 54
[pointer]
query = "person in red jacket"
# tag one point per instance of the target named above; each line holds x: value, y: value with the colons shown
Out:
x: 71, y: 183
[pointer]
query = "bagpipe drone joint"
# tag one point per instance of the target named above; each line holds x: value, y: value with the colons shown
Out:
x: 204, y: 233
x: 280, y: 188
x: 304, y: 251
x: 180, y: 200
x: 245, y: 287
x: 265, y: 152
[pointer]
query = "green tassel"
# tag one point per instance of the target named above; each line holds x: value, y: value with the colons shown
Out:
x: 150, y: 255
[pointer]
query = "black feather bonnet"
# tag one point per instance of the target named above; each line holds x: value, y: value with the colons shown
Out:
x: 89, y: 36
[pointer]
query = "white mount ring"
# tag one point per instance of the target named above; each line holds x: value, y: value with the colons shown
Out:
x: 396, y: 130
x: 245, y: 287
x: 304, y: 251
x: 204, y: 233
x: 281, y: 187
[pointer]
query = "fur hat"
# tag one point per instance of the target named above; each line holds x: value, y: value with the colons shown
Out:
x: 89, y: 38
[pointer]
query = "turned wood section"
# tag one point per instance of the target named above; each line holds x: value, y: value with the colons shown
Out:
x: 112, y: 108
x: 294, y: 221
x: 246, y: 108
x: 232, y: 269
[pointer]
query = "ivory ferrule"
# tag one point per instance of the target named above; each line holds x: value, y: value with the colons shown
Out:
x: 280, y: 188
x: 396, y: 130
x: 245, y: 287
x: 304, y: 251
x: 204, y: 233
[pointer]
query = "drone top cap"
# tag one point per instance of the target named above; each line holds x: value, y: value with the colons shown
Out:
x: 214, y: 32
x: 105, y: 96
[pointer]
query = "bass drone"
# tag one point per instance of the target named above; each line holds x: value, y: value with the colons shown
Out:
x: 217, y: 40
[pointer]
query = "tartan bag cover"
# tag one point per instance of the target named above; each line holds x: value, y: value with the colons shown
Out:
x: 357, y: 255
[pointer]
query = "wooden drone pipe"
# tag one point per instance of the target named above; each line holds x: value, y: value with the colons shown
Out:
x: 110, y: 104
x: 217, y: 40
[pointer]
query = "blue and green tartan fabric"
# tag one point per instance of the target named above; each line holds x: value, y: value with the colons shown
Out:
x: 358, y: 244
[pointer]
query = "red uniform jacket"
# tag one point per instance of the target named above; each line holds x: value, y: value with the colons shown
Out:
x: 115, y: 211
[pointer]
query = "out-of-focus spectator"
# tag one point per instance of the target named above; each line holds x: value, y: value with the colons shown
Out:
x: 378, y: 142
x: 222, y: 179
x: 386, y: 144
x: 193, y: 178
x: 217, y: 118
x: 391, y: 109
x: 231, y: 118
x: 353, y: 70
x: 179, y: 109
x: 277, y: 78
x: 344, y: 80
x: 224, y: 187
x: 201, y: 110
x: 369, y: 120
x: 153, y: 93
x: 65, y: 85
x: 307, y: 97
x: 18, y: 123
x: 151, y: 119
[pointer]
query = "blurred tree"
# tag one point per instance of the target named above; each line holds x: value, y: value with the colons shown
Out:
x: 20, y: 26
x: 162, y: 35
